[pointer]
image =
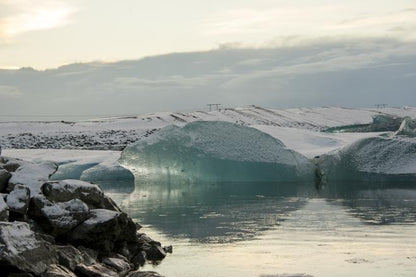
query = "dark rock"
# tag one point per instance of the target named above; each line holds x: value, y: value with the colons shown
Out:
x: 64, y: 216
x: 22, y: 250
x: 65, y: 190
x: 70, y: 257
x: 4, y: 178
x: 11, y: 166
x: 139, y: 259
x: 36, y: 204
x: 120, y: 265
x: 153, y: 249
x: 168, y: 249
x: 19, y: 274
x: 4, y: 210
x: 18, y: 200
x: 144, y: 274
x: 88, y: 251
x: 55, y: 270
x: 95, y: 270
x: 103, y: 229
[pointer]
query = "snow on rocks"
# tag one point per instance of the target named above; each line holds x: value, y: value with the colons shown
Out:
x: 66, y: 190
x: 67, y: 228
x: 4, y: 210
x: 18, y: 199
x: 64, y: 216
x: 29, y: 174
x: 22, y: 250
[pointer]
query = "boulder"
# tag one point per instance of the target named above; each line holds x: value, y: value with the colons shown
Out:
x: 144, y: 274
x: 70, y: 257
x: 4, y: 178
x: 4, y: 210
x: 65, y: 190
x: 18, y: 199
x: 95, y: 270
x: 29, y: 174
x: 103, y: 229
x: 23, y: 250
x: 120, y: 265
x: 63, y: 216
x: 153, y: 249
x: 55, y: 270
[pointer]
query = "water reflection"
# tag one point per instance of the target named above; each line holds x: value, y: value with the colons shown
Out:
x: 383, y: 205
x: 215, y: 212
x: 239, y: 211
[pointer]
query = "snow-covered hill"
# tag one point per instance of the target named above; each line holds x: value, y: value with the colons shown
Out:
x: 297, y: 128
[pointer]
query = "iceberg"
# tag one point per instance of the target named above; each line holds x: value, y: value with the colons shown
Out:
x: 381, y: 123
x: 407, y: 128
x: 375, y: 159
x: 214, y: 152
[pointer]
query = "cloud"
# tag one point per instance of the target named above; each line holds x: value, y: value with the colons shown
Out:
x: 166, y: 83
x: 344, y: 72
x: 19, y: 16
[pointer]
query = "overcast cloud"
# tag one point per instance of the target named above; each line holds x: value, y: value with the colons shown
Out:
x: 353, y: 72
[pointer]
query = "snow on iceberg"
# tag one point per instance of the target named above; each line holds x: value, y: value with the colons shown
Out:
x: 378, y: 159
x: 215, y: 152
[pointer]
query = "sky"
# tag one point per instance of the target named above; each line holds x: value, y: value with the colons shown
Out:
x: 261, y: 45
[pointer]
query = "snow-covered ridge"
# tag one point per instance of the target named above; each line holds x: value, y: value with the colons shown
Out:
x: 116, y: 133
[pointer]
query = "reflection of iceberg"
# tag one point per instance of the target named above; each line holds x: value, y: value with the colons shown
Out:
x: 380, y: 206
x: 377, y: 159
x: 214, y: 212
x: 215, y: 152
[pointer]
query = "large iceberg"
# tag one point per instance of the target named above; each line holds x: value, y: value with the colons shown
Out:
x: 375, y: 159
x: 215, y: 152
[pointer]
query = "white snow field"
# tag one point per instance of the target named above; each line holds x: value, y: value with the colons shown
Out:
x: 74, y: 145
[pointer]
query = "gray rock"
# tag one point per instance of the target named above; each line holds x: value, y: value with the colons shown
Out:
x: 64, y: 216
x: 120, y: 265
x: 103, y: 229
x: 152, y: 248
x: 4, y: 210
x: 23, y: 250
x: 30, y: 174
x: 65, y: 190
x: 55, y: 270
x: 95, y: 270
x: 70, y: 257
x: 18, y: 199
x: 4, y: 178
x: 11, y: 166
x: 144, y: 274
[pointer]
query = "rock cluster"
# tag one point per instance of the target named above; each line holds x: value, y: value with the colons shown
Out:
x: 66, y: 228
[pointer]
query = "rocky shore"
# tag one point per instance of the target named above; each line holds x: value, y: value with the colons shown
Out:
x: 66, y: 228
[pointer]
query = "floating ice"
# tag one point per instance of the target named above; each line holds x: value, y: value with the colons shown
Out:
x: 215, y: 152
x: 371, y: 159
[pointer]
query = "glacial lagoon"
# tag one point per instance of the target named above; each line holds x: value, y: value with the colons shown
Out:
x: 273, y: 229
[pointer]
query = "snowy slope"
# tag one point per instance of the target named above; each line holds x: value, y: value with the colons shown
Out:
x: 116, y: 133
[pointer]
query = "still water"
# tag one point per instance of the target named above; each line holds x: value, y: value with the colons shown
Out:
x: 246, y: 229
